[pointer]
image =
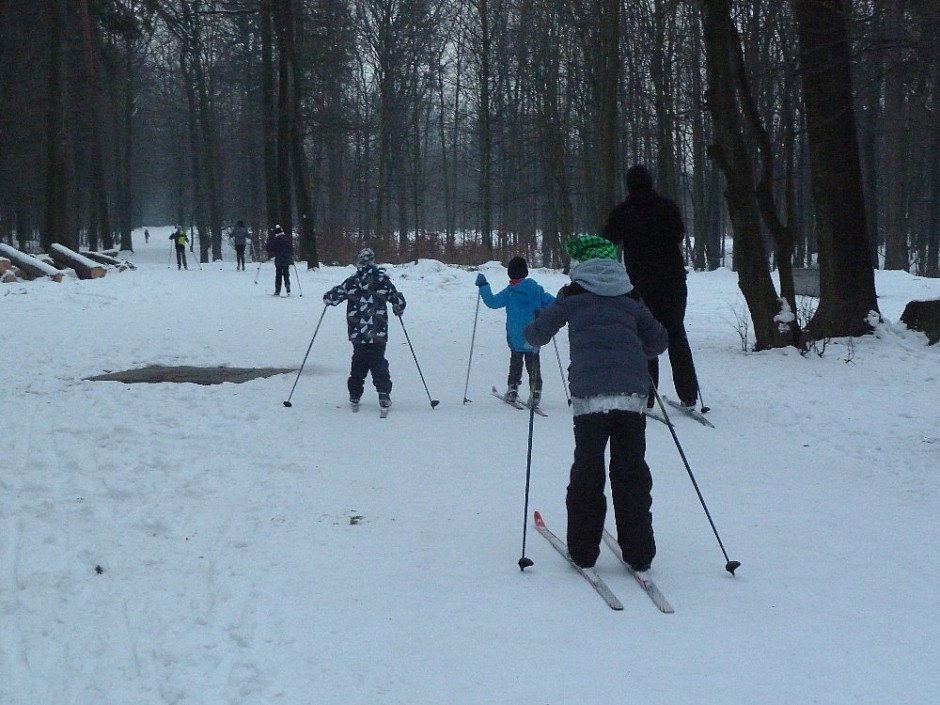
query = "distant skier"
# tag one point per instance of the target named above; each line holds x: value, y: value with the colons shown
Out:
x: 281, y: 248
x: 240, y: 237
x: 179, y: 242
x: 522, y: 299
x: 367, y: 293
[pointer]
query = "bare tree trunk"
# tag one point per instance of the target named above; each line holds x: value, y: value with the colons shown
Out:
x: 99, y: 190
x: 608, y: 138
x: 272, y: 183
x: 286, y: 33
x: 485, y: 128
x: 125, y: 199
x: 730, y: 152
x: 894, y: 156
x: 846, y: 279
x: 56, y: 186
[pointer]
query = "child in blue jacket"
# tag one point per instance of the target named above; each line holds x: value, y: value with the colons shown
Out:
x: 522, y: 299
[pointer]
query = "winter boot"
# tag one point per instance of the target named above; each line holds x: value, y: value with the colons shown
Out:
x: 512, y: 393
x: 385, y: 401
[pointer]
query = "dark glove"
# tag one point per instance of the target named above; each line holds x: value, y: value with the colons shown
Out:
x: 481, y: 280
x: 398, y: 311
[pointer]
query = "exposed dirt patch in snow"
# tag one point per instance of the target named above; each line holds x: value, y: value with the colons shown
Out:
x: 192, y: 375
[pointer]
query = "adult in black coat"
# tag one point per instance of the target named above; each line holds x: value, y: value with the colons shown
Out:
x: 651, y: 230
x: 281, y: 248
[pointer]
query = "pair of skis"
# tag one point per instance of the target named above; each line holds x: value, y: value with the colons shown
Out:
x: 590, y: 574
x: 515, y: 403
x: 689, y: 411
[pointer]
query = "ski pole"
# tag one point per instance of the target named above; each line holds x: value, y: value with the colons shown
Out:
x: 730, y: 565
x: 297, y: 275
x: 701, y: 399
x: 434, y: 402
x: 169, y: 257
x: 564, y: 382
x: 287, y: 402
x: 525, y: 562
x: 473, y: 338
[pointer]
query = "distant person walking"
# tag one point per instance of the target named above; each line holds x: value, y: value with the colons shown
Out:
x: 280, y: 247
x: 651, y: 230
x: 146, y: 235
x: 240, y: 236
x: 179, y: 242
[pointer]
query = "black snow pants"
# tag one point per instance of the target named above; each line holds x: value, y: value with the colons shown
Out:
x: 666, y: 300
x: 630, y: 488
x: 368, y: 358
x: 281, y: 272
x: 532, y: 367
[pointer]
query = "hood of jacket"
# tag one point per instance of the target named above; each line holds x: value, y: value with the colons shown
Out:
x: 604, y: 277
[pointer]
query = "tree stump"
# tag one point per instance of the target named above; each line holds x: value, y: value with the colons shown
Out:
x: 923, y: 316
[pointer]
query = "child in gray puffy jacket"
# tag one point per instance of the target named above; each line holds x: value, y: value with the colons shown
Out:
x: 612, y: 335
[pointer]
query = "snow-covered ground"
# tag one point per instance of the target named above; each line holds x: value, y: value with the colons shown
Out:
x: 190, y: 544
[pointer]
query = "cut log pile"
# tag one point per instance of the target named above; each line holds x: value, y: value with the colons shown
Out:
x: 32, y: 267
x: 6, y: 273
x: 16, y: 265
x: 84, y: 267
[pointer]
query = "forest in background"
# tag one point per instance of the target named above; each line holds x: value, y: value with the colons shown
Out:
x: 807, y: 132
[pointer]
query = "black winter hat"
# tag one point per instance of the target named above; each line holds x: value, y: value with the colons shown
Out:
x: 518, y: 269
x: 638, y: 177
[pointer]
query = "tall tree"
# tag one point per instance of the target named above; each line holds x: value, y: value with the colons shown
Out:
x: 846, y: 277
x: 54, y: 225
x: 730, y: 150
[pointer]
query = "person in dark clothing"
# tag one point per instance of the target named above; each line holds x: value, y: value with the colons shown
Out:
x: 281, y: 248
x: 651, y: 231
x: 179, y: 242
x: 367, y: 294
x: 611, y: 335
x: 522, y: 299
x: 240, y: 237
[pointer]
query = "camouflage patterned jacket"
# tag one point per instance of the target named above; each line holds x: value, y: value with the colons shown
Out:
x: 367, y: 293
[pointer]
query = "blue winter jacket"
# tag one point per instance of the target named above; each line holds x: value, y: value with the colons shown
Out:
x: 521, y: 300
x: 611, y: 333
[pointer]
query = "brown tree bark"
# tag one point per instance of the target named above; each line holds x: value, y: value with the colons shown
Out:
x: 56, y: 168
x: 730, y: 151
x: 846, y: 278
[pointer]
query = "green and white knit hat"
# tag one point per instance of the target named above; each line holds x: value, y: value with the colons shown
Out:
x: 591, y: 247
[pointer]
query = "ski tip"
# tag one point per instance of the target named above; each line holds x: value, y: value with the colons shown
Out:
x: 538, y: 519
